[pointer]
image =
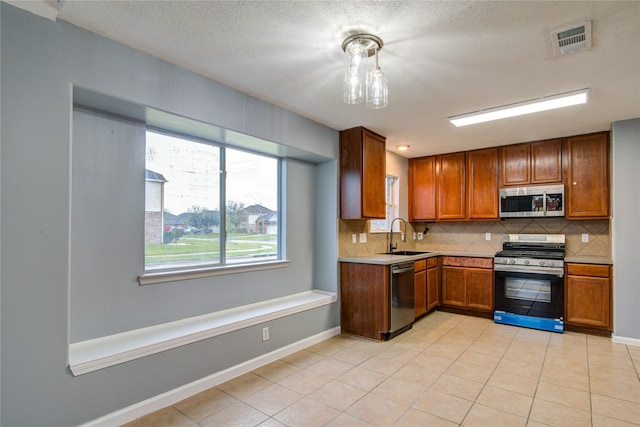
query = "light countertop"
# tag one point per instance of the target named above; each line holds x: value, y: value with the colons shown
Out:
x: 589, y: 259
x: 385, y: 259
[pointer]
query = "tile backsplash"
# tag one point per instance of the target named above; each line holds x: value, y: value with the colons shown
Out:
x: 470, y: 236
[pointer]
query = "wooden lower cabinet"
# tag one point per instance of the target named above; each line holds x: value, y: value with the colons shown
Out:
x: 433, y: 284
x: 426, y: 286
x: 364, y: 299
x: 480, y: 289
x: 420, y: 287
x: 467, y: 287
x: 588, y: 296
x: 454, y: 286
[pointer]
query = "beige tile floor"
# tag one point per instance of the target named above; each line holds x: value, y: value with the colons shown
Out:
x: 448, y: 370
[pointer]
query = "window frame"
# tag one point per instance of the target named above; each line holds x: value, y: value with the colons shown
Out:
x: 392, y: 199
x: 198, y: 270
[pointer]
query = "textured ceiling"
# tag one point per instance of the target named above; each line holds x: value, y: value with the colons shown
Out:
x: 442, y: 59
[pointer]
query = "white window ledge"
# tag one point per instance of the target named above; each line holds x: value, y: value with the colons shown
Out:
x: 196, y: 273
x: 91, y: 355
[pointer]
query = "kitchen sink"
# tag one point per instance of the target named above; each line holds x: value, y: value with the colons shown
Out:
x: 406, y: 253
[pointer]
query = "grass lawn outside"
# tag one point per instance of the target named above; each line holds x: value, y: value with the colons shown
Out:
x: 206, y: 247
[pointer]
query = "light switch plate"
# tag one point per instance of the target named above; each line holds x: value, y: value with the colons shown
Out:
x: 487, y: 236
x: 585, y: 238
x: 353, y: 238
x: 363, y: 237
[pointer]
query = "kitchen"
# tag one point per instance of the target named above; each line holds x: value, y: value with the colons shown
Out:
x: 472, y: 244
x: 49, y: 64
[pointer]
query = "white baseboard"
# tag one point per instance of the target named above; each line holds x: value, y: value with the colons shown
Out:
x: 163, y: 400
x: 624, y: 340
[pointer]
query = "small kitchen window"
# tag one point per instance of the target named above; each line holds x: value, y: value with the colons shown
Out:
x: 392, y: 207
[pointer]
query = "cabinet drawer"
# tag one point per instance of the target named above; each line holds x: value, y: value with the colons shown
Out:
x: 432, y: 262
x: 458, y: 261
x: 592, y: 270
x: 420, y: 265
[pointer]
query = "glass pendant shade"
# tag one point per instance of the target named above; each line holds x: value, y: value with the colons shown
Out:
x: 354, y: 79
x: 358, y: 85
x: 377, y: 89
x: 353, y: 85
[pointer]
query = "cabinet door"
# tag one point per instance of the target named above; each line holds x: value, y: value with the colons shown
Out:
x: 433, y: 286
x: 515, y: 164
x: 362, y: 174
x: 546, y: 161
x: 422, y: 189
x: 588, y: 176
x: 373, y: 176
x: 482, y: 184
x: 364, y: 299
x: 454, y: 286
x: 451, y: 186
x: 588, y: 301
x: 420, y: 294
x: 480, y: 289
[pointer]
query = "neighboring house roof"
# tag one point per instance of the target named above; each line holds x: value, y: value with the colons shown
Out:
x: 257, y: 210
x: 271, y: 218
x: 150, y: 175
x: 171, y: 219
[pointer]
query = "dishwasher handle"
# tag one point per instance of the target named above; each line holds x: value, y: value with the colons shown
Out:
x: 401, y: 268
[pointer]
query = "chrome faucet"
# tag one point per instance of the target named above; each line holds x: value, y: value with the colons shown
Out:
x: 403, y: 235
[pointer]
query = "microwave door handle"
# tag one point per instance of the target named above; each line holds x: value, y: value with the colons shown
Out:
x: 544, y: 203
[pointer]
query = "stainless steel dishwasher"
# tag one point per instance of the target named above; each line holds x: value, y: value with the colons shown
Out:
x: 401, y: 299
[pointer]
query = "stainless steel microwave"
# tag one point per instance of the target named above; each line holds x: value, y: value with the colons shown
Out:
x: 535, y: 201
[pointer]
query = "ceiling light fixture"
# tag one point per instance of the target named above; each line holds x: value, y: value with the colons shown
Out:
x: 360, y: 85
x: 527, y: 107
x: 403, y: 147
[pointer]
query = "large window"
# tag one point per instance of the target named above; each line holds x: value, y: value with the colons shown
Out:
x: 208, y: 205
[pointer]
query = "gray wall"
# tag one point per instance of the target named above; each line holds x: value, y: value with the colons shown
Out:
x: 41, y: 62
x: 626, y: 228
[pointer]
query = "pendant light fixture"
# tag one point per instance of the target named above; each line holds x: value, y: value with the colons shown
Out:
x: 360, y: 85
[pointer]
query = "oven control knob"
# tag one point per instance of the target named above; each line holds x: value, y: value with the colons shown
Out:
x: 512, y: 261
x: 504, y: 261
x: 526, y: 262
x: 542, y: 263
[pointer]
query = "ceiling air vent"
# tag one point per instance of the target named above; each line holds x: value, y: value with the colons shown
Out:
x: 572, y: 39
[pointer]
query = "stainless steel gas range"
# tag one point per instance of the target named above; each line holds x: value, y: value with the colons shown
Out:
x: 529, y: 281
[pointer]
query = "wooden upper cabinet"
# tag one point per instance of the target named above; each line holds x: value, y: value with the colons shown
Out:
x: 587, y: 176
x: 450, y: 186
x: 515, y: 165
x: 362, y: 174
x: 546, y: 161
x: 422, y: 189
x: 531, y: 163
x: 482, y: 184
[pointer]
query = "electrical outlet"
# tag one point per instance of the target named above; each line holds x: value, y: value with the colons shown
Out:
x: 420, y: 236
x: 265, y: 334
x: 353, y: 238
x: 363, y: 237
x: 585, y: 238
x: 487, y: 236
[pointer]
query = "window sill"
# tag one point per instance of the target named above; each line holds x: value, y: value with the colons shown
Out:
x: 92, y: 355
x: 197, y: 273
